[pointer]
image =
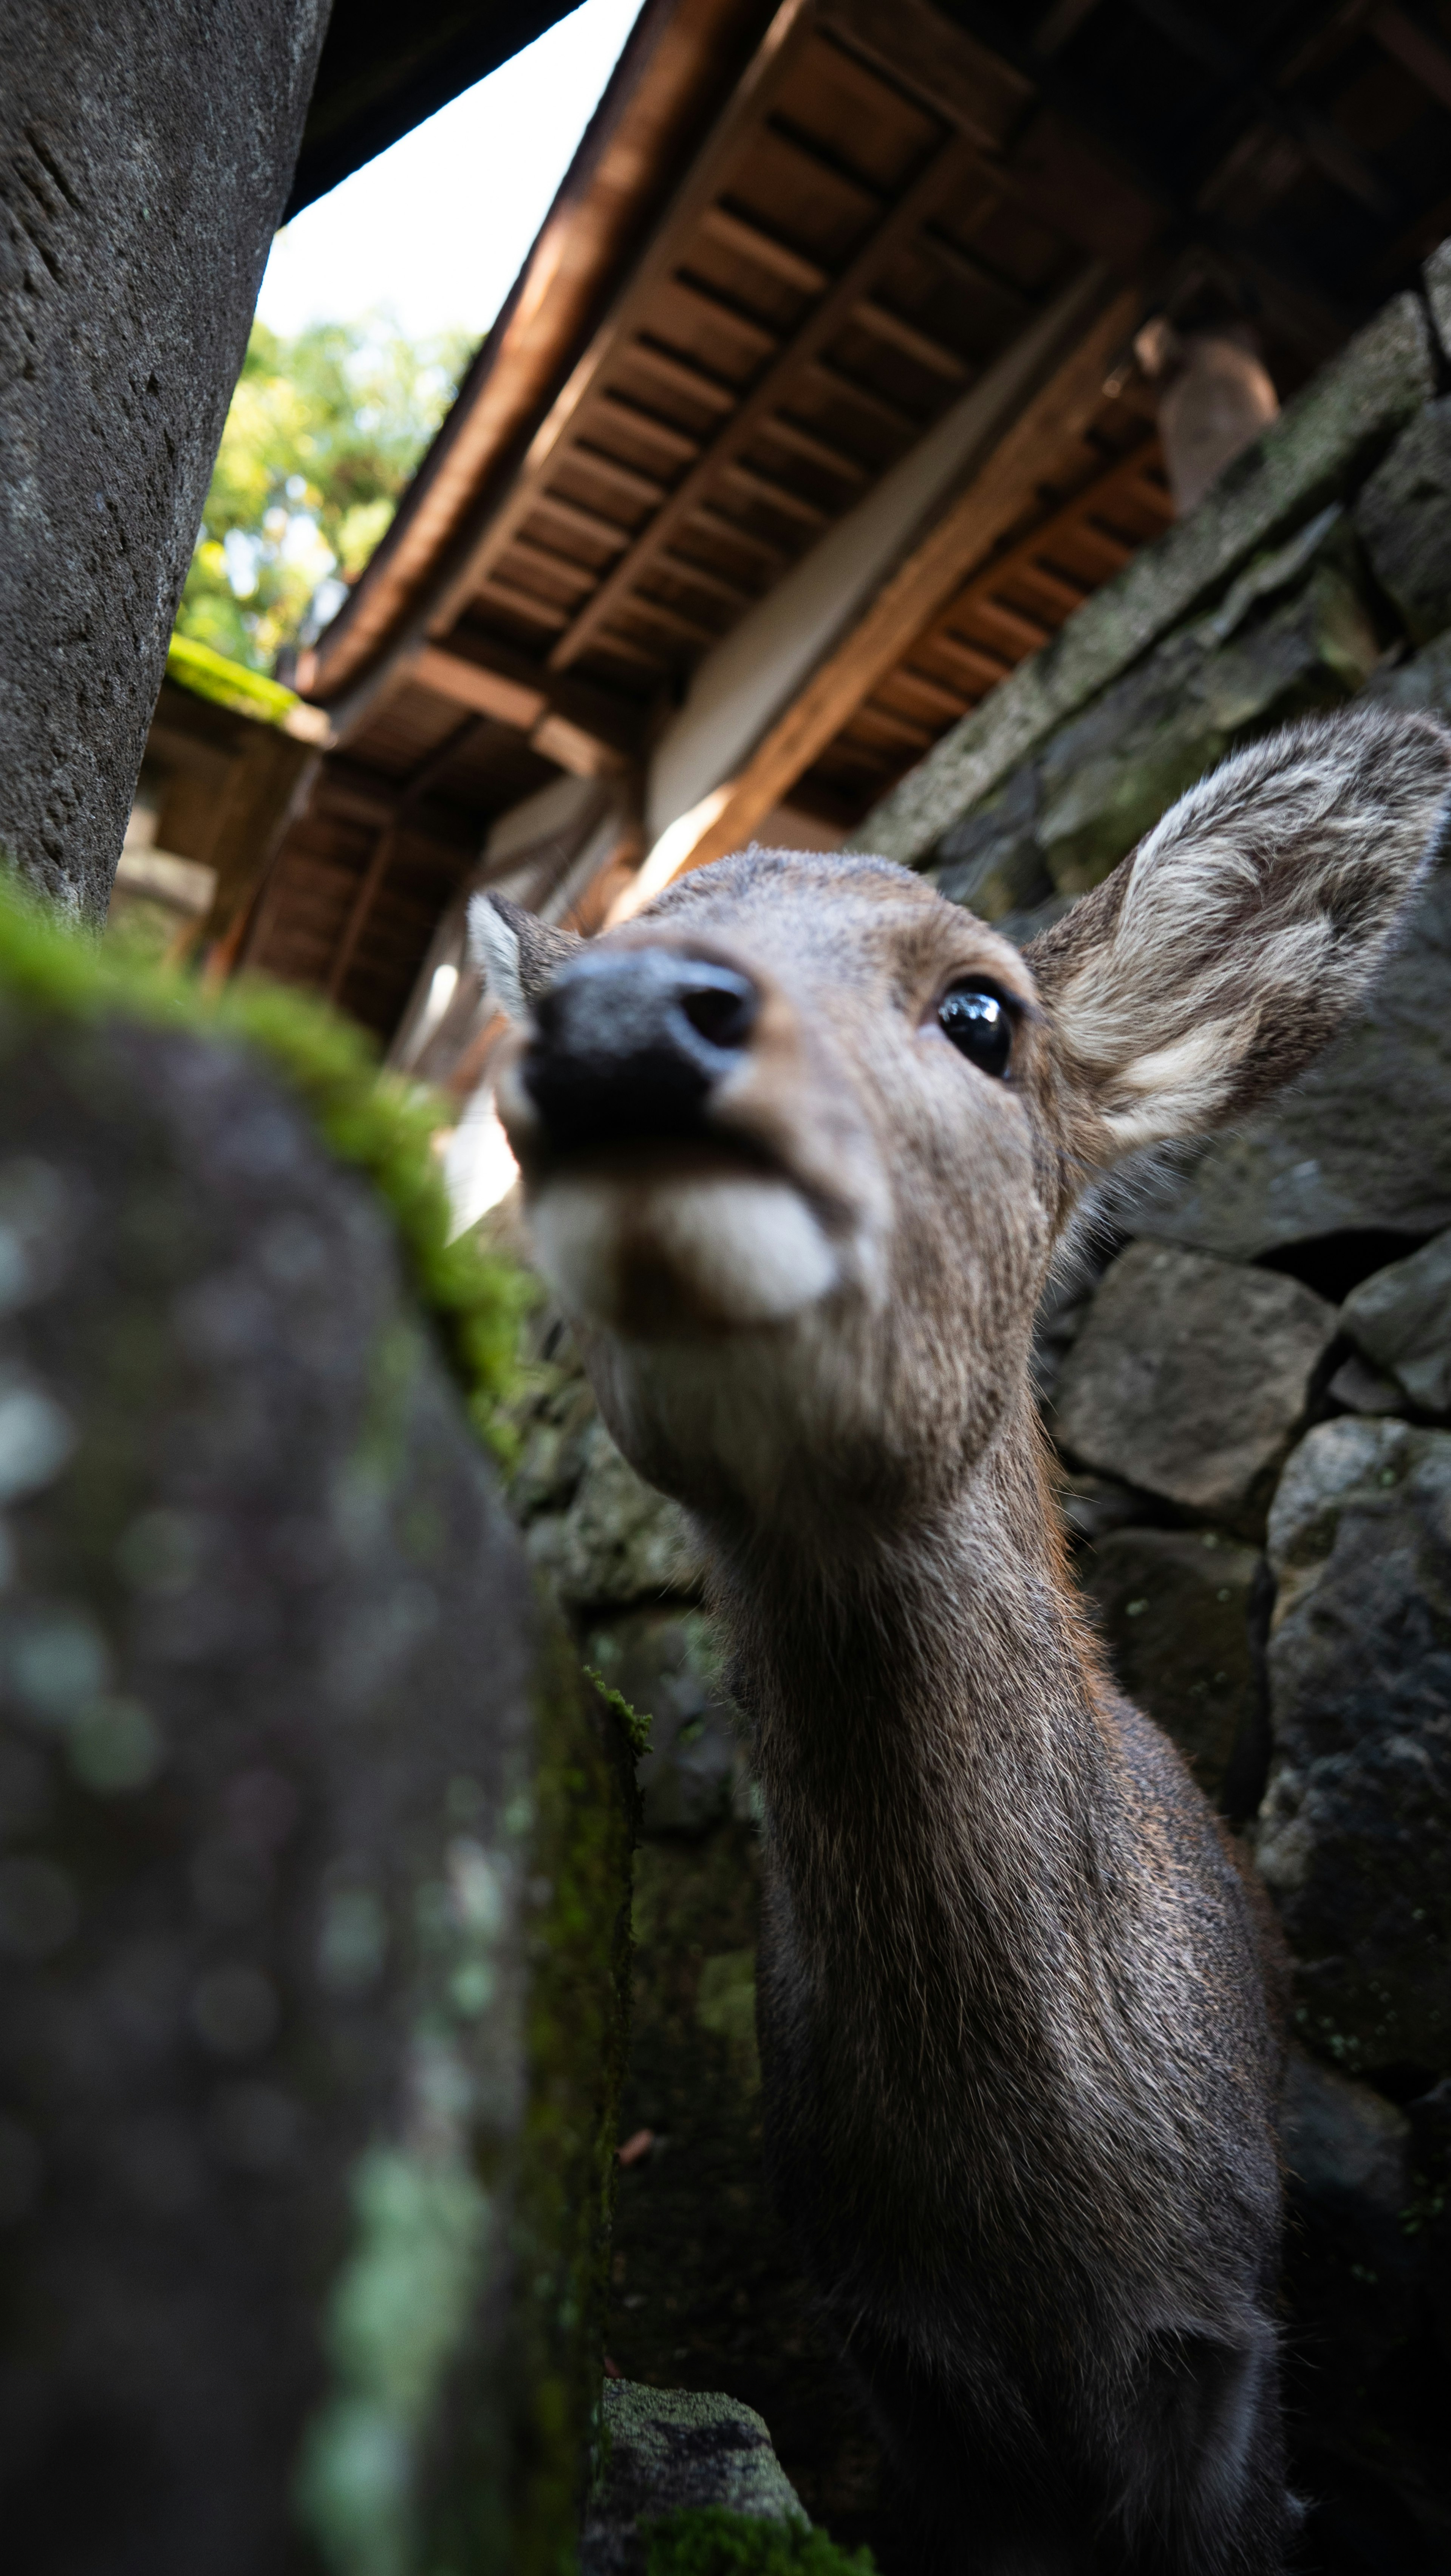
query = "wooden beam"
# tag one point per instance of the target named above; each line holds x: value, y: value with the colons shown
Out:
x: 415, y: 789
x: 474, y: 684
x: 625, y: 479
x: 266, y: 784
x: 693, y: 384
x: 826, y: 319
x: 749, y: 241
x: 566, y: 719
x: 585, y: 523
x: 925, y: 582
x: 567, y: 427
x: 778, y: 496
x: 818, y: 451
x: 916, y: 48
x: 901, y: 334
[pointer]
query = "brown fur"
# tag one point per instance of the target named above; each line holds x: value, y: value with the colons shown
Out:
x: 1020, y: 2075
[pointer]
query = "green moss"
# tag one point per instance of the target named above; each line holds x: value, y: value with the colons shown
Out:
x: 637, y: 1728
x: 709, y: 2540
x: 369, y: 1119
x: 586, y: 1812
x: 227, y: 684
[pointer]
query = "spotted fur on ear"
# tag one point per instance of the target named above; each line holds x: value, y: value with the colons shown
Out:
x: 1228, y: 948
x: 517, y: 954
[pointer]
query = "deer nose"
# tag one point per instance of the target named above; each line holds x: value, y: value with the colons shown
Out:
x: 632, y: 1042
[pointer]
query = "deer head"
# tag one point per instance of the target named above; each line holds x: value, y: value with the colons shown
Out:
x: 797, y: 1143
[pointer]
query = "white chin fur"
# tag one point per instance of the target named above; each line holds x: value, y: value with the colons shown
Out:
x: 654, y: 1257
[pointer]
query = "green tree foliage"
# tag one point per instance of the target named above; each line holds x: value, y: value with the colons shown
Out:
x: 322, y: 435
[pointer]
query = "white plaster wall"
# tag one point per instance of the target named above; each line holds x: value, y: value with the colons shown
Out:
x: 760, y: 665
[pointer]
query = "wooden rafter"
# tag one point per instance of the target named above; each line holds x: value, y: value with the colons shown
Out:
x: 845, y: 299
x: 926, y: 585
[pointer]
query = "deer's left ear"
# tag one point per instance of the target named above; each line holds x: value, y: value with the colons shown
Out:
x: 517, y: 954
x: 1224, y: 953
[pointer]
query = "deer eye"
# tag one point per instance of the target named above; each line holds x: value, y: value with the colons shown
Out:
x: 979, y: 1024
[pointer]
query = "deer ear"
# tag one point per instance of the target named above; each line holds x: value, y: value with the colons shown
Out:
x: 1227, y: 949
x: 517, y: 954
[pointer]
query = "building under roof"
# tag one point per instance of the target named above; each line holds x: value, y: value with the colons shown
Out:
x: 824, y: 397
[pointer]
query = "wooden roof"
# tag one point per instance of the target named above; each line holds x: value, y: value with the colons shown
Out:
x: 789, y: 244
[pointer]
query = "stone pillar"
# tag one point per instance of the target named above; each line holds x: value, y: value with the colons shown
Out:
x: 146, y: 149
x: 314, y: 1852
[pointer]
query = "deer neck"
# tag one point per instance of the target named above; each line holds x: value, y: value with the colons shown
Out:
x: 932, y: 1741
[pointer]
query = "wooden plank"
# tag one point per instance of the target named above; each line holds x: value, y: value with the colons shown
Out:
x: 918, y: 50
x: 585, y: 523
x: 709, y: 177
x: 877, y: 406
x: 685, y: 570
x: 724, y: 316
x: 969, y: 271
x: 820, y: 451
x: 749, y: 241
x: 675, y: 622
x: 923, y: 584
x: 826, y: 318
x: 730, y: 529
x: 678, y: 376
x: 473, y: 684
x: 779, y: 496
x: 626, y: 479
x: 525, y: 603
x: 632, y: 421
x: 553, y: 565
x: 901, y: 334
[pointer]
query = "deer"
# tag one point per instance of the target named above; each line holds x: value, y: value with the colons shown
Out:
x: 800, y: 1145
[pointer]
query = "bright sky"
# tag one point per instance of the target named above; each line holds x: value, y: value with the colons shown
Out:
x: 436, y: 230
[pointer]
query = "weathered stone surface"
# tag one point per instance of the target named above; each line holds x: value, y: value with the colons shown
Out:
x: 1401, y: 1319
x: 1174, y: 1607
x: 1106, y: 777
x: 1364, y: 1390
x: 1319, y: 449
x: 148, y: 147
x: 665, y: 1663
x: 604, y: 1539
x: 672, y: 2447
x: 1437, y: 278
x: 993, y: 862
x: 1354, y: 1837
x: 1362, y: 1143
x: 1403, y: 518
x: 312, y: 1876
x: 1348, y: 2160
x: 1190, y: 1379
x: 1422, y: 686
x: 618, y: 1541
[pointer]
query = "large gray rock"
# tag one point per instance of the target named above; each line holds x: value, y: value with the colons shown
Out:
x: 1354, y: 1837
x: 148, y: 147
x: 1401, y: 1319
x: 1403, y: 518
x: 1318, y: 450
x: 1363, y: 1143
x: 1191, y: 1378
x: 313, y: 1870
x: 1174, y: 1606
x: 673, y: 2447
